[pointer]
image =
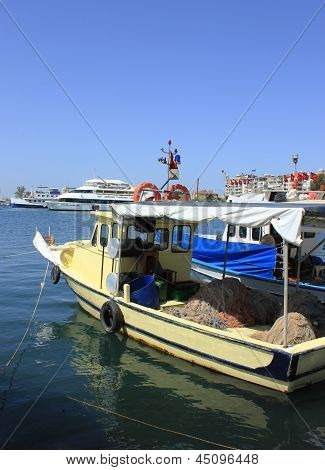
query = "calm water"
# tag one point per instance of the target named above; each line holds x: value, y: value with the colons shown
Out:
x: 118, y: 373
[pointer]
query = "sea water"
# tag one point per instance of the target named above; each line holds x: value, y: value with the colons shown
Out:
x: 67, y: 356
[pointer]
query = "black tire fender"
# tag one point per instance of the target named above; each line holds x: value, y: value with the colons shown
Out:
x: 111, y: 317
x: 55, y: 274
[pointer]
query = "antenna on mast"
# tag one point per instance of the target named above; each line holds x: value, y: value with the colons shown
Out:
x: 172, y: 162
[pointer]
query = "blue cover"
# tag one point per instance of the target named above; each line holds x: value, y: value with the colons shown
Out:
x: 244, y: 258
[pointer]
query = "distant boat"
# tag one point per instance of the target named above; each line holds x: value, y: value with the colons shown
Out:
x: 37, y: 198
x: 93, y: 192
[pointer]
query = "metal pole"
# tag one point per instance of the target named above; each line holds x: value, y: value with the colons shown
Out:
x: 298, y: 266
x: 102, y: 268
x: 119, y: 258
x: 197, y: 188
x: 226, y: 253
x: 285, y: 292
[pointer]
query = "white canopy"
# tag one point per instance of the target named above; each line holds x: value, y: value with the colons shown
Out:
x: 286, y: 221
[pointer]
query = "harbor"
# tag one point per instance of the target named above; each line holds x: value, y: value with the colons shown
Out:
x: 120, y: 374
x: 162, y: 236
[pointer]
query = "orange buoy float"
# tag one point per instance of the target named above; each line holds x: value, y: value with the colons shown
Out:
x: 175, y: 190
x: 146, y: 186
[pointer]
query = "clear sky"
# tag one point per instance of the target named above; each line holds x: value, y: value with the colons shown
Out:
x: 144, y: 71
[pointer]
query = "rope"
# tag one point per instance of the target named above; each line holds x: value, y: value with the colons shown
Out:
x: 20, y: 254
x: 151, y: 425
x: 32, y: 317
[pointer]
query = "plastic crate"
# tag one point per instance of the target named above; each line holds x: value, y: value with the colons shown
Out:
x: 182, y: 291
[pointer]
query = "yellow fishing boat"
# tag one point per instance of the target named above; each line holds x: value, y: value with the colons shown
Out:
x: 112, y: 276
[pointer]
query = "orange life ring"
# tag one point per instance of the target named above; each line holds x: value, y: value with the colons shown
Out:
x: 146, y: 186
x: 178, y: 188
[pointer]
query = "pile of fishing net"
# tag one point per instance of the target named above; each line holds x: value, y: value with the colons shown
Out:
x: 306, y: 321
x: 309, y: 306
x: 299, y: 330
x: 229, y: 304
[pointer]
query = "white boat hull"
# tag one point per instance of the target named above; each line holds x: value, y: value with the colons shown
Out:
x: 78, y: 206
x: 17, y: 202
x: 70, y: 206
x: 206, y: 274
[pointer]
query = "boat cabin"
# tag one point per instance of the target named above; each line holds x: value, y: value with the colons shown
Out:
x: 137, y: 246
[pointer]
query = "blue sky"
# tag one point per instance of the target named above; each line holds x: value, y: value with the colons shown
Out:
x: 144, y: 71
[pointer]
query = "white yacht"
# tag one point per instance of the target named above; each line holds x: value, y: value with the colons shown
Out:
x: 37, y: 198
x: 94, y: 192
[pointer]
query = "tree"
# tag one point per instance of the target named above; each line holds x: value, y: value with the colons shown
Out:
x: 20, y: 191
x: 316, y: 185
x: 210, y: 197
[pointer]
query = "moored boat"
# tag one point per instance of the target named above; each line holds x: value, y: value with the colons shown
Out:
x: 112, y: 276
x: 94, y: 191
x: 36, y: 199
x: 254, y: 255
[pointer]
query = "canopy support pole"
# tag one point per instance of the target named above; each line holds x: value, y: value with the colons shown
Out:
x: 226, y: 253
x: 285, y: 292
x: 299, y: 260
x: 119, y: 257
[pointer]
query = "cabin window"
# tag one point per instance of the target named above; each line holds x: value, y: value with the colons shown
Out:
x: 114, y: 231
x: 242, y: 232
x: 309, y: 234
x: 94, y: 238
x: 161, y: 239
x: 104, y: 235
x: 134, y: 233
x: 232, y: 230
x: 181, y: 239
x: 256, y: 234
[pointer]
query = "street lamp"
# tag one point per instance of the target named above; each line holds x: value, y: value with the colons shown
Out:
x: 295, y: 159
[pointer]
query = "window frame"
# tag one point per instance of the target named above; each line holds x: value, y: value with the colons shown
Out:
x: 137, y: 231
x: 181, y: 249
x: 94, y: 236
x: 162, y: 229
x: 115, y: 224
x: 259, y: 234
x: 100, y: 235
x: 308, y: 235
x: 230, y: 228
x: 241, y: 227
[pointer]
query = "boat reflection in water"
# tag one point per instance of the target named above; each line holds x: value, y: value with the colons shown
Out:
x: 137, y: 381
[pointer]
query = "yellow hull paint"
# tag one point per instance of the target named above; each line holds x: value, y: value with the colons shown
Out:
x: 228, y: 352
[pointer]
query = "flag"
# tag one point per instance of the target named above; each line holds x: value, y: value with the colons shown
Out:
x: 313, y: 176
x: 172, y: 164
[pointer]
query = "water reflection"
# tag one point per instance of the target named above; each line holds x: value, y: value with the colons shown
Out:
x: 143, y: 383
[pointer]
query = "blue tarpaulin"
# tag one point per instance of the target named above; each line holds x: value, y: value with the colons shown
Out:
x: 244, y: 258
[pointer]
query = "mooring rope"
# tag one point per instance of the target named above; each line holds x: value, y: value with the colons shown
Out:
x: 33, y: 315
x: 106, y: 410
x: 20, y: 254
